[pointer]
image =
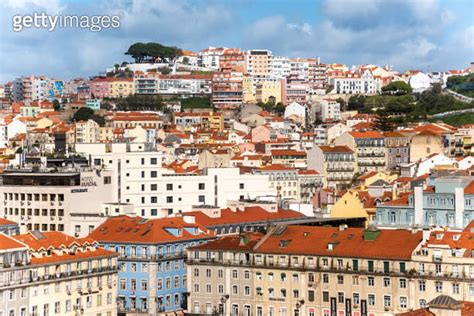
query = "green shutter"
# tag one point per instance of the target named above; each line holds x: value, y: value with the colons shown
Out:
x: 402, y: 267
x: 355, y: 265
x: 371, y: 266
x: 386, y: 267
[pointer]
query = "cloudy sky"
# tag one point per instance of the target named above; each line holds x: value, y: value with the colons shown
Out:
x: 422, y: 34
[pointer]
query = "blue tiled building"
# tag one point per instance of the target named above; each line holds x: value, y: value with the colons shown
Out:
x: 152, y: 276
x: 446, y: 201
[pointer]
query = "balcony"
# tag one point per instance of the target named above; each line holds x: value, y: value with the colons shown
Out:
x: 370, y: 154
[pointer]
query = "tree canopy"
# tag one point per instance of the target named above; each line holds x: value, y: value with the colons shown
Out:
x: 138, y: 102
x: 152, y: 52
x: 85, y: 114
x: 398, y: 88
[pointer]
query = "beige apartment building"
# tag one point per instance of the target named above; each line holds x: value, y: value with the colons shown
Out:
x: 258, y: 62
x: 309, y: 271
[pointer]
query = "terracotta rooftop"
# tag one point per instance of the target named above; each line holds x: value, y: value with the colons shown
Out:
x: 280, y: 152
x: 128, y: 229
x: 336, y: 149
x: 249, y: 214
x: 366, y: 134
x: 395, y: 244
x: 7, y: 242
x: 244, y: 242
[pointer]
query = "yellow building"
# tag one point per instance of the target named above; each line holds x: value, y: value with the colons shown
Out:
x: 424, y: 144
x: 120, y: 87
x: 367, y: 179
x: 266, y: 90
x: 247, y: 85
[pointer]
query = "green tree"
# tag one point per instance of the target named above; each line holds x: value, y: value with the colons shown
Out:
x: 356, y: 102
x: 85, y: 113
x: 186, y: 60
x: 56, y: 105
x: 164, y: 70
x: 139, y: 102
x: 398, y: 88
x: 384, y: 122
x: 342, y: 102
x: 153, y: 52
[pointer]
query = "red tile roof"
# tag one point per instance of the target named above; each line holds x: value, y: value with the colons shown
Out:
x: 280, y: 152
x: 140, y: 230
x: 395, y: 244
x: 366, y: 134
x: 51, y: 240
x: 336, y: 149
x: 4, y: 221
x: 469, y: 189
x: 249, y: 214
x: 244, y: 242
x: 467, y: 309
x: 7, y: 242
x: 78, y: 255
x: 455, y: 240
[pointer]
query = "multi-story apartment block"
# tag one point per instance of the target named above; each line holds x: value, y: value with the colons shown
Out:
x: 307, y: 271
x: 152, y: 277
x: 294, y: 90
x: 120, y: 87
x: 449, y: 202
x: 14, y: 276
x: 227, y: 89
x: 330, y: 110
x: 398, y: 149
x: 259, y: 62
x: 369, y: 149
x: 155, y: 83
x: 355, y: 83
x: 310, y: 181
x: 281, y: 67
x: 210, y: 57
x: 87, y: 131
x: 59, y: 275
x: 65, y: 200
x: 202, y: 120
x: 268, y: 91
x: 99, y: 88
x: 283, y: 179
x: 335, y: 163
x: 290, y: 158
x: 140, y: 179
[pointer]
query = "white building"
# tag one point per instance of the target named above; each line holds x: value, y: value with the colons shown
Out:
x: 330, y: 110
x: 353, y: 83
x: 420, y: 82
x: 140, y: 179
x: 153, y: 83
x: 281, y: 67
x: 68, y: 200
x: 210, y: 57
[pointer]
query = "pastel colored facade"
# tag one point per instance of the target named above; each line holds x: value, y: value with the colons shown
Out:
x: 284, y: 180
x: 87, y: 131
x: 152, y: 277
x: 448, y: 203
x: 258, y: 62
x: 140, y: 179
x: 99, y: 88
x: 310, y: 181
x: 53, y: 273
x: 294, y: 90
x: 217, y: 158
x: 335, y: 163
x: 348, y: 205
x: 345, y: 271
x: 120, y: 88
x: 398, y: 149
x: 203, y: 120
x: 424, y: 144
x: 227, y: 89
x: 369, y: 149
x: 290, y: 158
x: 268, y: 91
x: 65, y: 200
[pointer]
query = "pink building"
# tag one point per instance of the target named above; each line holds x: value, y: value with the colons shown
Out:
x: 99, y: 88
x: 294, y: 90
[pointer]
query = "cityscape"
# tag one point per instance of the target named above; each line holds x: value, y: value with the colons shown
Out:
x: 235, y: 178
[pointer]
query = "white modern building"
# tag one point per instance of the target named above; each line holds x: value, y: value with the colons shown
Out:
x: 353, y: 83
x: 330, y: 110
x: 68, y: 200
x: 155, y: 191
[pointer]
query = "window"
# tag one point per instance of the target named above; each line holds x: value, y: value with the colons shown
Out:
x: 246, y: 274
x: 144, y: 285
x: 159, y: 284
x: 283, y: 293
x: 387, y: 301
x: 208, y: 288
x: 169, y: 187
x: 247, y: 290
x: 403, y: 283
x: 220, y: 273
x: 402, y: 267
x: 196, y: 287
x: 153, y: 174
x: 371, y: 266
x: 325, y: 296
x: 422, y: 285
x: 371, y: 281
x: 235, y: 274
x: 356, y: 298
x: 422, y: 303
x: 371, y: 299
x: 386, y: 282
x: 296, y: 294
x: 439, y: 286
x: 340, y: 279
x: 235, y: 289
x: 325, y: 278
x: 169, y: 199
x: 455, y: 288
x: 311, y: 295
x: 153, y: 161
x: 241, y: 186
x: 340, y: 297
x: 201, y: 186
x: 220, y: 288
